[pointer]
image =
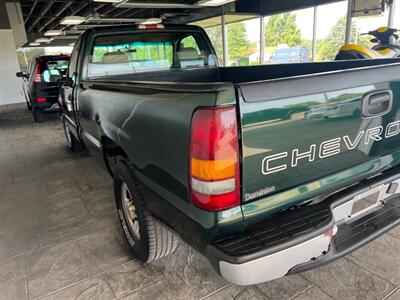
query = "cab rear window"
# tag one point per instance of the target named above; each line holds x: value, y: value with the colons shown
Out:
x: 148, y: 52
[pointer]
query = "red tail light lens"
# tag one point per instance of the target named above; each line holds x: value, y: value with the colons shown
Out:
x: 37, y: 76
x: 214, y: 159
x: 41, y: 100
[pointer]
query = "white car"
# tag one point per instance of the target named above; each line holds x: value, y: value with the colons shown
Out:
x: 335, y: 110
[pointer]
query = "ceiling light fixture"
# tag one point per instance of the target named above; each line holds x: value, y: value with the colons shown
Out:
x: 113, y: 20
x: 72, y: 20
x: 213, y: 2
x: 42, y: 40
x: 53, y: 32
x: 108, y: 1
x: 34, y: 44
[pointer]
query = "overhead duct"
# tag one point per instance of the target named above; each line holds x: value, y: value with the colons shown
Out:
x: 113, y: 20
x: 126, y: 4
x: 199, y: 4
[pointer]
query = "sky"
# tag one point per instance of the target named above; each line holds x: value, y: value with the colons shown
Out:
x: 327, y: 15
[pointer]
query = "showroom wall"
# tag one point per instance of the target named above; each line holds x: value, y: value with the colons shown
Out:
x: 10, y: 86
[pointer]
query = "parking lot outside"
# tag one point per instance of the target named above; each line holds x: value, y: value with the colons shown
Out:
x: 60, y: 237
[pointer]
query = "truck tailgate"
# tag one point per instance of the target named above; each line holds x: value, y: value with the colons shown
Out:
x: 304, y: 137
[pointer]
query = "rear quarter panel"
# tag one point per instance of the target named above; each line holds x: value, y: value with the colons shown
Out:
x: 153, y: 128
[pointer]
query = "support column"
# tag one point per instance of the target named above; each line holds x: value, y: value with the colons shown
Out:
x: 262, y: 40
x: 392, y: 10
x: 348, y: 21
x: 224, y: 39
x: 314, y: 41
x: 10, y: 86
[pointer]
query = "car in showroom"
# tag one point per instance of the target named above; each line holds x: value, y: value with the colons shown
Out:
x: 193, y: 152
x: 41, y: 83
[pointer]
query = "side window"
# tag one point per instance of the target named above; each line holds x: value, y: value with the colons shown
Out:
x: 189, y: 42
x: 74, y: 60
x: 189, y: 54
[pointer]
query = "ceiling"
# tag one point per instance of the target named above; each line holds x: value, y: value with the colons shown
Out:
x: 43, y: 15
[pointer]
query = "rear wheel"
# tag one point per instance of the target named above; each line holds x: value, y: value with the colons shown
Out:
x: 149, y: 238
x: 37, y: 115
x: 72, y: 142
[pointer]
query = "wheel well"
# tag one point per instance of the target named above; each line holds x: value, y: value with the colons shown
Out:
x: 111, y: 150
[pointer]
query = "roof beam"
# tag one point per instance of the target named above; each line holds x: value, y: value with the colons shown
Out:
x: 44, y: 11
x: 67, y: 5
x: 31, y: 11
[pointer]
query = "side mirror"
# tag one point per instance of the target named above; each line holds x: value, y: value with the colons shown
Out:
x: 20, y: 74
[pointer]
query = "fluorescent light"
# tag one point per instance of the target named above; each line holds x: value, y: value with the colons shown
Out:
x: 108, y: 1
x: 151, y: 21
x: 73, y: 31
x: 214, y: 2
x: 53, y: 32
x: 72, y: 20
x: 34, y: 44
x: 42, y: 40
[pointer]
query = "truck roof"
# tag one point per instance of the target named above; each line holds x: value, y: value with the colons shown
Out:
x: 134, y: 27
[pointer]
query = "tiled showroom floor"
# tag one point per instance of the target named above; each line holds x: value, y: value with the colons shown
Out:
x: 60, y: 238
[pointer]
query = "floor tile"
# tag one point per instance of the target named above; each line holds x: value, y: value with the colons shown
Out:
x: 343, y: 279
x: 394, y: 296
x: 11, y: 268
x: 155, y: 291
x: 188, y: 274
x: 105, y: 249
x: 378, y: 257
x: 95, y: 288
x: 313, y: 293
x: 54, y: 267
x: 17, y: 241
x: 240, y: 293
x: 14, y: 289
x: 130, y: 278
x: 286, y: 287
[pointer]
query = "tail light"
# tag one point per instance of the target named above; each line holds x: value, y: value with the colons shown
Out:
x: 214, y: 159
x: 41, y: 100
x: 37, y: 76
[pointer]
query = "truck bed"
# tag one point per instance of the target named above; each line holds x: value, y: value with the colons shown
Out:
x: 250, y: 73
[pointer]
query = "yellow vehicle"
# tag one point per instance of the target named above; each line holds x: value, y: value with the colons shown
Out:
x: 386, y: 40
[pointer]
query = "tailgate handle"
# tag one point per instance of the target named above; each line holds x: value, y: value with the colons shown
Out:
x: 378, y: 103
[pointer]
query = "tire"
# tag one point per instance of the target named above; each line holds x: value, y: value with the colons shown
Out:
x: 72, y: 143
x: 37, y: 115
x: 149, y: 238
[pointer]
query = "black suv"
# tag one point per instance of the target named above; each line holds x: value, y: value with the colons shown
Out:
x: 41, y: 83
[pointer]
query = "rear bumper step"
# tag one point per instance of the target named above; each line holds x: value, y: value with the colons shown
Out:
x: 306, y: 238
x: 358, y: 233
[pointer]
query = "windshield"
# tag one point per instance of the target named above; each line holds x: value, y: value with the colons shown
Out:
x: 148, y: 52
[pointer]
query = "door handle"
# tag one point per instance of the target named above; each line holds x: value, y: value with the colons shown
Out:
x: 378, y: 103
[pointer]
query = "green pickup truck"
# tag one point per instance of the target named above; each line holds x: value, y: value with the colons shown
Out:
x: 249, y: 165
